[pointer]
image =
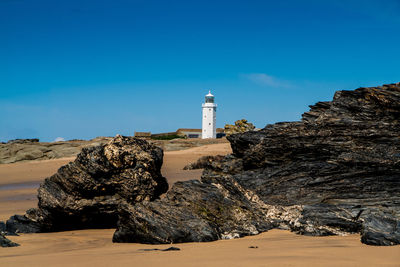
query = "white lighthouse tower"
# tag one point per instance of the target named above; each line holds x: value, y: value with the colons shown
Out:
x: 209, y: 117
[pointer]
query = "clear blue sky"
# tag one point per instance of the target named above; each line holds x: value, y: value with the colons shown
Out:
x: 81, y: 69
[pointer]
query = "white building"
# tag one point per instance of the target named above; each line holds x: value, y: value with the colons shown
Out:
x: 209, y: 117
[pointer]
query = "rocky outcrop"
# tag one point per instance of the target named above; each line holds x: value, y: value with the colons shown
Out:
x: 23, y: 141
x: 86, y: 192
x: 240, y: 126
x: 333, y: 173
x: 31, y: 149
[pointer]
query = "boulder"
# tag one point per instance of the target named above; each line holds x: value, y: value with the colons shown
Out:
x: 334, y: 172
x: 86, y: 193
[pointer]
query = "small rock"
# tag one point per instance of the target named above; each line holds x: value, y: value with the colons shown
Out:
x: 171, y: 249
x: 157, y: 249
x: 5, y: 242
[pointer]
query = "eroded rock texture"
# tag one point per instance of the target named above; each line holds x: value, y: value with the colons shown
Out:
x: 335, y: 172
x: 86, y: 193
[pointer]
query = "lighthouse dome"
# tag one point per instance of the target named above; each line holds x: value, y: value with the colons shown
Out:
x: 209, y: 97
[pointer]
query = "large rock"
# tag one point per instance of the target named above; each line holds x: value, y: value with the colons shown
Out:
x: 335, y: 172
x: 86, y: 193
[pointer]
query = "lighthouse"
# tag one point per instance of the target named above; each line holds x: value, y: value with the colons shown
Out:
x: 209, y: 117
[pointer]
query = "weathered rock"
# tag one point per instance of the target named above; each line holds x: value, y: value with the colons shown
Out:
x: 240, y: 126
x: 333, y: 173
x: 5, y: 242
x: 86, y: 193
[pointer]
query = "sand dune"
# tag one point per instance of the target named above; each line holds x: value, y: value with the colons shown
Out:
x: 18, y: 185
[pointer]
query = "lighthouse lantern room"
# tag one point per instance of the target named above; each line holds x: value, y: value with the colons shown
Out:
x: 209, y: 117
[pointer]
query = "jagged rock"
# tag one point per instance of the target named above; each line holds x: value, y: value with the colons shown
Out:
x: 5, y: 242
x: 86, y: 193
x: 240, y: 126
x: 202, y: 162
x: 333, y: 173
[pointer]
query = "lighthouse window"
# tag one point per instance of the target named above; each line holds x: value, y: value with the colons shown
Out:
x: 209, y: 123
x: 209, y: 99
x: 209, y: 109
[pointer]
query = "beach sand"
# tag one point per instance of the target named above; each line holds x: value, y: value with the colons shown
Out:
x: 19, y: 182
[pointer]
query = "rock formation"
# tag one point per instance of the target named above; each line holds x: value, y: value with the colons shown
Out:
x: 86, y: 193
x: 240, y: 126
x: 335, y: 172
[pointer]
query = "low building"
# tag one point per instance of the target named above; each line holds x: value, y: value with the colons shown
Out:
x: 189, y: 133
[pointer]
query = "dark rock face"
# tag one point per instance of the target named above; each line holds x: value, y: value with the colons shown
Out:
x: 191, y: 211
x: 86, y: 193
x: 335, y: 172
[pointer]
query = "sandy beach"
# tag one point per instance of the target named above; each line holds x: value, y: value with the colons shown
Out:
x: 19, y: 182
